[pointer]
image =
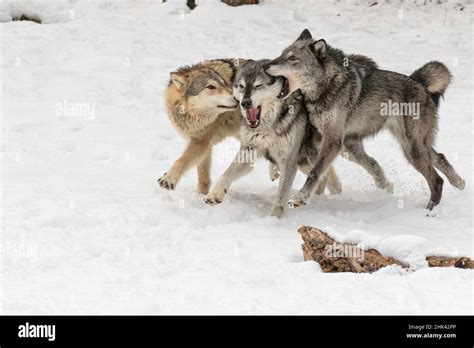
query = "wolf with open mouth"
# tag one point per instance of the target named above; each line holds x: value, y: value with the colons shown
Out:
x: 275, y: 128
x: 343, y: 98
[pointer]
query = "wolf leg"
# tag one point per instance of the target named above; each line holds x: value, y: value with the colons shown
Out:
x: 334, y: 184
x: 305, y: 169
x: 418, y: 154
x: 440, y: 162
x: 236, y: 169
x: 321, y: 186
x: 195, y: 152
x: 204, y: 175
x: 329, y: 179
x: 288, y: 173
x: 331, y: 146
x: 357, y: 154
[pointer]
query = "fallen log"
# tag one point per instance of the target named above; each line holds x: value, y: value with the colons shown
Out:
x: 342, y: 257
x: 442, y: 261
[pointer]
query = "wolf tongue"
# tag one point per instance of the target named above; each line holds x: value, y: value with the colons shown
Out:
x: 252, y: 113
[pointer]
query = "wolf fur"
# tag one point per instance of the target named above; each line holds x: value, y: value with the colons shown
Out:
x: 344, y: 101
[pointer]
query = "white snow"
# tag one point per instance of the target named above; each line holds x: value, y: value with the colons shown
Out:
x: 85, y: 229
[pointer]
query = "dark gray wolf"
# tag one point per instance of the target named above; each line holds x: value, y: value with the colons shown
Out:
x: 347, y: 101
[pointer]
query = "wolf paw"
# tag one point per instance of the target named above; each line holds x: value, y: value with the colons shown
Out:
x: 278, y: 210
x: 167, y: 182
x: 215, y: 197
x: 298, y: 200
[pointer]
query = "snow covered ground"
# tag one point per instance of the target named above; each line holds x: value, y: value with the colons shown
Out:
x: 85, y: 229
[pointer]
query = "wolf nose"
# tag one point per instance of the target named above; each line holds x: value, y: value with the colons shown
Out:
x: 246, y: 103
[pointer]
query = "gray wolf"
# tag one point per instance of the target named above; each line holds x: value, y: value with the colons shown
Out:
x: 344, y: 100
x: 274, y: 128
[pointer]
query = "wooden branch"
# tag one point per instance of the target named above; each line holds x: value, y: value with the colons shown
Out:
x: 341, y: 257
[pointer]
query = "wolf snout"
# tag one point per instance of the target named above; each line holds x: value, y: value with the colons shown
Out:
x: 234, y: 102
x: 271, y: 64
x: 246, y: 103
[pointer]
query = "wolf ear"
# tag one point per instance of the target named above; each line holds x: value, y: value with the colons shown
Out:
x: 305, y: 35
x: 217, y: 77
x: 319, y: 48
x: 178, y: 79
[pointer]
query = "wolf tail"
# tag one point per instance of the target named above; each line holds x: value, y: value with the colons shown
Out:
x: 435, y: 76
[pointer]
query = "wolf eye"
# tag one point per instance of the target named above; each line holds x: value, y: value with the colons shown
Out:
x: 293, y: 58
x: 241, y: 86
x: 259, y: 85
x: 210, y: 87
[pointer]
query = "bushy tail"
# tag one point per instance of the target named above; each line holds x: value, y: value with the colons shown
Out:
x: 435, y: 76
